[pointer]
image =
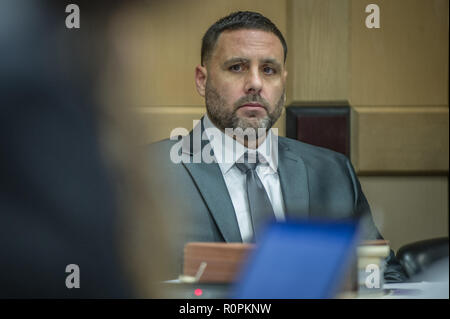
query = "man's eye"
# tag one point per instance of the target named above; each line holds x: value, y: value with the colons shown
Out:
x: 268, y: 70
x: 236, y: 68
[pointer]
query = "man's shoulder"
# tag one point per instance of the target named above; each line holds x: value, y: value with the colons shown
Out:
x: 160, y: 151
x: 310, y: 152
x: 162, y: 144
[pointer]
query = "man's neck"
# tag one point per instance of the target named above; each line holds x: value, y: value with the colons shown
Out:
x: 252, y: 143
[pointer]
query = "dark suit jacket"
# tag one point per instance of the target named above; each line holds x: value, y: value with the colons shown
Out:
x: 316, y: 183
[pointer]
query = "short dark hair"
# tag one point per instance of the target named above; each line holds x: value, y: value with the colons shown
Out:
x: 236, y: 21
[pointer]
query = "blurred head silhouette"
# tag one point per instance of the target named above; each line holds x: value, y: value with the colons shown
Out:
x: 71, y: 187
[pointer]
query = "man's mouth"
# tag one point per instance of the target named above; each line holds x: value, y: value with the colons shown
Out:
x: 252, y: 106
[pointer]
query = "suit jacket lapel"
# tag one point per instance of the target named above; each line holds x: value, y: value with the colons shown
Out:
x: 294, y: 182
x: 212, y: 187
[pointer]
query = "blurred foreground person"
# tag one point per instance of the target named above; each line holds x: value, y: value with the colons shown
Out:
x: 61, y: 165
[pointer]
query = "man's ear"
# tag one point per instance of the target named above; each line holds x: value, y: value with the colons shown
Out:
x: 200, y: 79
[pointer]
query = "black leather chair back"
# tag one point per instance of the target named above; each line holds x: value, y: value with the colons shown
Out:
x: 418, y: 256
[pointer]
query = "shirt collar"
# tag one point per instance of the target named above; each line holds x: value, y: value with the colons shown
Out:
x: 227, y: 150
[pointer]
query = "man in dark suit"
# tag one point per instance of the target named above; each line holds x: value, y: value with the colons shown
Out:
x: 232, y: 174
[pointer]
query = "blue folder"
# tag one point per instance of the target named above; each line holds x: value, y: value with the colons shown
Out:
x: 299, y: 260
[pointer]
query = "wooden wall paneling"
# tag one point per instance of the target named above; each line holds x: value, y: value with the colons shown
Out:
x: 405, y: 61
x: 318, y: 56
x: 400, y: 140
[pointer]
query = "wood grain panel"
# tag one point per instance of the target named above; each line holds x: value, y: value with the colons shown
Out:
x: 400, y: 140
x: 405, y: 61
x: 318, y: 56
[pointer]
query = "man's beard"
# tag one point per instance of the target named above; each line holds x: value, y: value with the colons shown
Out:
x: 223, y: 118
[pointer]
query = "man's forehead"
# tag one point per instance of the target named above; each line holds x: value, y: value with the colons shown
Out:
x: 247, y: 43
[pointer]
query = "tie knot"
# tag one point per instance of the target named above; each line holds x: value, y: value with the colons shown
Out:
x: 250, y: 163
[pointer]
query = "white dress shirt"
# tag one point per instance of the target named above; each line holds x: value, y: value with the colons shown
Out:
x: 226, y: 156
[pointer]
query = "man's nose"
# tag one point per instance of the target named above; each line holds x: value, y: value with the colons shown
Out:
x: 253, y: 83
